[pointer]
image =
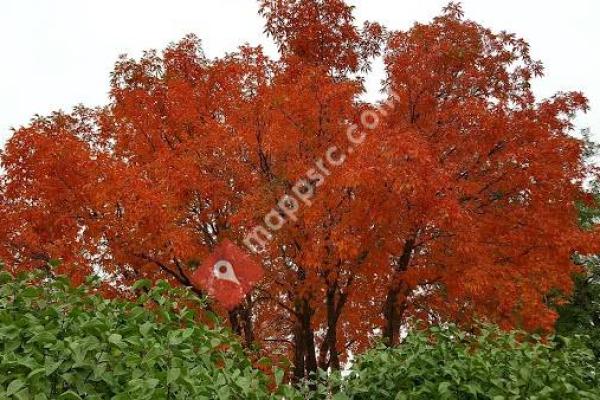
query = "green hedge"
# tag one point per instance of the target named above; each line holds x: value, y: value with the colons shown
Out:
x: 450, y: 364
x: 60, y: 342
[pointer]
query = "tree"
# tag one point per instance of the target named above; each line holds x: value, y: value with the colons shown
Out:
x: 482, y: 176
x: 457, y: 205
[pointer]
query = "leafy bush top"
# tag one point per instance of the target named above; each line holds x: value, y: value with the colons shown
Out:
x: 446, y: 363
x: 60, y: 342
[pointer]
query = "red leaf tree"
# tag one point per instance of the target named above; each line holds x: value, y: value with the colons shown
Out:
x: 458, y: 205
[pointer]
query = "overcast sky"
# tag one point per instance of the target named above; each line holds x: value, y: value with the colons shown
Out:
x: 56, y: 54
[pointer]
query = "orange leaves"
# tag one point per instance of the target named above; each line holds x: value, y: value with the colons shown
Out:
x: 453, y: 10
x: 321, y: 33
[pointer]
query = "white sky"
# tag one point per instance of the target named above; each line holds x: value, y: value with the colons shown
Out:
x: 56, y: 54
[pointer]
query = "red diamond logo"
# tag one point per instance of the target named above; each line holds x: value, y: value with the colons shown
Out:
x: 228, y: 274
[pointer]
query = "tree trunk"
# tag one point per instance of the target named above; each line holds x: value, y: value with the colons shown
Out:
x: 240, y: 319
x: 305, y: 355
x: 309, y: 340
x: 331, y: 338
x: 328, y: 353
x: 298, y: 349
x: 391, y: 317
x: 392, y: 311
x: 247, y: 325
x: 234, y: 321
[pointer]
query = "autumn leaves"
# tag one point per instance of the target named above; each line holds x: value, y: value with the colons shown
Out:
x: 305, y: 188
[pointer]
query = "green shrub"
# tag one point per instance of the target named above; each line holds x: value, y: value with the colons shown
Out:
x: 450, y: 364
x: 60, y: 342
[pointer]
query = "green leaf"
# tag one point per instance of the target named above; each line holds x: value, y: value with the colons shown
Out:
x: 51, y: 366
x: 443, y: 387
x: 146, y: 327
x: 279, y: 373
x: 142, y: 284
x: 173, y: 375
x: 69, y: 395
x: 14, y: 387
x: 35, y: 372
x: 5, y: 277
x: 115, y: 339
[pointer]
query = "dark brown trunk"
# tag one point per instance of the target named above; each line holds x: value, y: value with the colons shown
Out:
x: 392, y: 319
x: 329, y: 354
x: 323, y: 353
x: 247, y: 326
x: 299, y: 351
x: 392, y: 311
x: 245, y: 316
x: 334, y: 358
x: 240, y: 320
x: 305, y: 355
x: 309, y: 340
x: 234, y: 321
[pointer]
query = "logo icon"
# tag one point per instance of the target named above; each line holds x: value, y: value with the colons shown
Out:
x: 228, y: 274
x: 224, y: 270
